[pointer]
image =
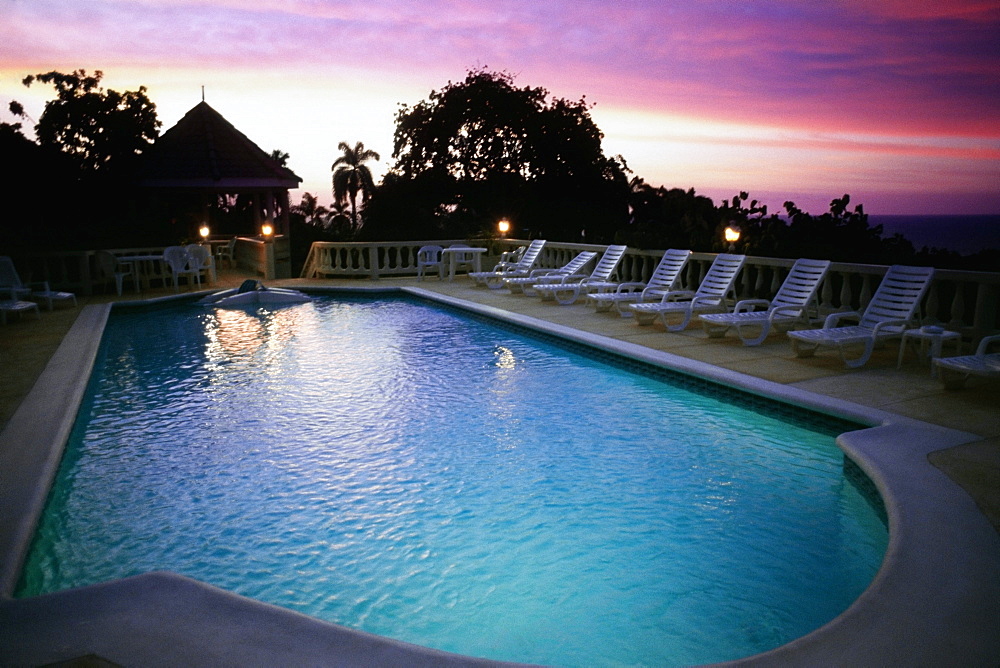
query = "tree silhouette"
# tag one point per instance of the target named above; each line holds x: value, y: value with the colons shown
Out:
x: 484, y: 149
x: 351, y: 176
x: 103, y: 131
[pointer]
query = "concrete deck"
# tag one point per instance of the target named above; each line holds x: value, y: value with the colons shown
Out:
x: 967, y: 449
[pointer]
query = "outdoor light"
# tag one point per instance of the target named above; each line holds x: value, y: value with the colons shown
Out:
x: 204, y: 231
x: 732, y: 236
x: 503, y: 226
x: 267, y: 230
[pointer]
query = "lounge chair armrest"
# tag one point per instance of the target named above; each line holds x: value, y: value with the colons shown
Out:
x: 985, y: 342
x: 786, y: 312
x: 630, y: 287
x: 834, y: 318
x: 886, y: 324
x: 706, y: 301
x: 750, y: 304
x: 677, y: 295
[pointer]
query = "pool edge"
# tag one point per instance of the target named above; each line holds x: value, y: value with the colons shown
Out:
x: 938, y: 538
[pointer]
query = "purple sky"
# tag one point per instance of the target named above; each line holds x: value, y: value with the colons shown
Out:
x: 896, y: 102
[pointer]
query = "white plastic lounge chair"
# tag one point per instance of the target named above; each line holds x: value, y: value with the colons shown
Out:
x: 523, y: 283
x: 665, y: 278
x: 789, y: 306
x: 718, y: 285
x: 506, y: 269
x: 177, y: 259
x: 890, y: 312
x: 566, y: 289
x: 10, y: 282
x: 9, y: 303
x: 429, y: 257
x: 954, y: 371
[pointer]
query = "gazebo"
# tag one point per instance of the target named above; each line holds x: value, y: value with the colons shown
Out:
x: 204, y: 159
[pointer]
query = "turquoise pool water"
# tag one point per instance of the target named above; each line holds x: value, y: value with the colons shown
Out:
x: 425, y: 475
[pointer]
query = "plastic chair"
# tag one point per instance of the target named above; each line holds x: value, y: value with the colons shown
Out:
x: 227, y: 253
x: 111, y: 268
x: 177, y: 259
x: 427, y: 257
x: 200, y: 261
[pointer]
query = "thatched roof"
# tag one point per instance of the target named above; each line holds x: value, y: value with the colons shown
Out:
x: 204, y: 151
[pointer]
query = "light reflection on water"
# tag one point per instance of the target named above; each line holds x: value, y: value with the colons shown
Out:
x: 416, y: 474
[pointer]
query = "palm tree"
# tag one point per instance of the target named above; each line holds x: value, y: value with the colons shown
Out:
x: 351, y: 176
x: 312, y: 212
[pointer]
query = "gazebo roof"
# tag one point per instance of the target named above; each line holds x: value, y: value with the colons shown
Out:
x: 204, y: 151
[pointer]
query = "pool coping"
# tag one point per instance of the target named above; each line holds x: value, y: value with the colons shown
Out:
x: 935, y: 599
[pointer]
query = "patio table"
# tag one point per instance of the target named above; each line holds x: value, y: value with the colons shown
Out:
x: 463, y: 255
x: 140, y: 264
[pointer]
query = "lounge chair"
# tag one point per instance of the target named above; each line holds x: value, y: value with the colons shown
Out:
x: 429, y: 257
x: 10, y: 282
x: 507, y: 269
x: 523, y: 283
x: 718, y: 285
x: 9, y: 303
x: 789, y: 306
x: 890, y: 312
x: 665, y: 278
x: 954, y: 371
x: 567, y: 288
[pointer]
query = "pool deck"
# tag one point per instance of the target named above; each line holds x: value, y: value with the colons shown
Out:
x: 956, y: 431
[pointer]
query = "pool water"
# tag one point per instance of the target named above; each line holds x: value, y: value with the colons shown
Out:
x: 425, y: 475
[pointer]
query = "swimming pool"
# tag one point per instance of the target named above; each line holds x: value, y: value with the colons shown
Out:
x: 591, y: 533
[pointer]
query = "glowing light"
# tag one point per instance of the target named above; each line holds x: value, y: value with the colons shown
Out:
x: 267, y: 230
x: 204, y: 232
x: 503, y: 226
x: 732, y: 234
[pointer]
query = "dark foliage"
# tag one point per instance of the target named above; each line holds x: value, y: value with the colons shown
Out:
x: 483, y: 149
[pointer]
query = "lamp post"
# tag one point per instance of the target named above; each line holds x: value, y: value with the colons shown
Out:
x: 503, y: 227
x: 732, y: 234
x: 267, y: 230
x: 204, y: 232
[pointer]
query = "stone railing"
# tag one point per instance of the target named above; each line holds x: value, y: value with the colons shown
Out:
x: 79, y: 272
x: 964, y: 301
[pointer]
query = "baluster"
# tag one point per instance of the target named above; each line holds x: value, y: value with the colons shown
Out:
x: 776, y: 279
x: 932, y: 305
x: 866, y: 292
x: 827, y: 293
x: 957, y: 308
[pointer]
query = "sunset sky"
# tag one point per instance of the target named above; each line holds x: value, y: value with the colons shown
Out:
x: 896, y: 102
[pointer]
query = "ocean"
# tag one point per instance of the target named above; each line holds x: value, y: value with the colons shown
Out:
x: 962, y: 234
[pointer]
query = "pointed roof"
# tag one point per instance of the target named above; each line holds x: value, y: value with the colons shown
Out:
x: 205, y: 151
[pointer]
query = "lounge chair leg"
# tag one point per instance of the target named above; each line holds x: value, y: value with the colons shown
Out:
x: 679, y: 326
x: 715, y: 331
x: 802, y: 350
x: 754, y: 341
x: 865, y: 355
x: 951, y: 379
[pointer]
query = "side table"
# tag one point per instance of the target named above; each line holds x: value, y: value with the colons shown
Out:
x: 929, y: 337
